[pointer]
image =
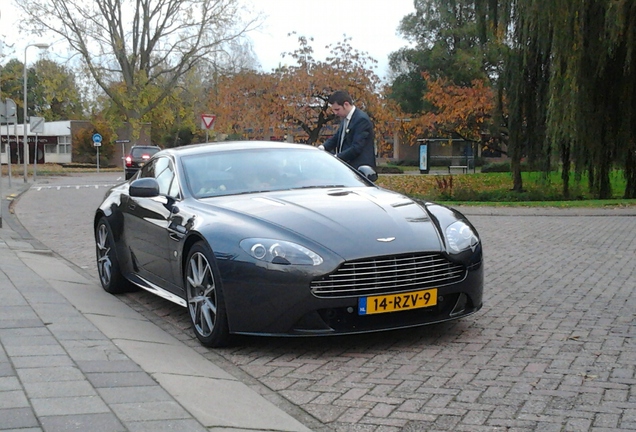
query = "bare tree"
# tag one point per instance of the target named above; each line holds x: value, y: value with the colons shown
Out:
x: 137, y: 50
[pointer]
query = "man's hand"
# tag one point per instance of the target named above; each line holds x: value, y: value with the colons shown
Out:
x: 321, y: 147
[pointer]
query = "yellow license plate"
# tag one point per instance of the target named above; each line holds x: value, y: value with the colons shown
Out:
x: 397, y: 302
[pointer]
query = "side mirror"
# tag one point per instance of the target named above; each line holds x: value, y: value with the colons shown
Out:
x: 368, y: 172
x: 144, y: 188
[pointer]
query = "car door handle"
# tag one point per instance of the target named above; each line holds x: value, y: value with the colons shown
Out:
x: 178, y: 233
x: 176, y: 236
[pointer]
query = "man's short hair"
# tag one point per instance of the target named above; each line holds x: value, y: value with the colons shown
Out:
x: 340, y: 97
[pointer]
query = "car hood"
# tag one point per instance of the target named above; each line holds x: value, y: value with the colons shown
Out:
x: 353, y: 222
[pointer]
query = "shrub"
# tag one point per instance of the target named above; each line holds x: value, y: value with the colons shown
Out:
x: 388, y: 169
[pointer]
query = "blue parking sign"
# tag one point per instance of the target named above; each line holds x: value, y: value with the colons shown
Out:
x: 97, y: 139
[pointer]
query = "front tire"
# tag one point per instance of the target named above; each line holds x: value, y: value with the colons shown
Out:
x: 205, y: 299
x: 108, y: 268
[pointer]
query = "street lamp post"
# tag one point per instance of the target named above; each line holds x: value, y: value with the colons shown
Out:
x: 25, y: 144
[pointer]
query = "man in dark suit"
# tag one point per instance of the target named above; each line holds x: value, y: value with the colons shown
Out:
x: 354, y: 140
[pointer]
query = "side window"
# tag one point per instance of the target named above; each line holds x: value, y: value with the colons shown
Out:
x: 148, y: 170
x: 164, y: 173
x: 162, y: 170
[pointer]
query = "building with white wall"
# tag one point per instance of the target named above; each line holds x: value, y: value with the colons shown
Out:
x: 54, y: 144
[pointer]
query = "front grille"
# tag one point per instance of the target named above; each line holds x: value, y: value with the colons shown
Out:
x: 382, y: 275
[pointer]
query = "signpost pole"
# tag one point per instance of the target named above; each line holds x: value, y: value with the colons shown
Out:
x: 10, y: 117
x: 123, y: 143
x: 15, y: 132
x: 35, y: 159
x: 4, y: 114
x: 37, y: 126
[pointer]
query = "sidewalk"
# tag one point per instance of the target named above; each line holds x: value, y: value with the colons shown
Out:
x: 74, y: 358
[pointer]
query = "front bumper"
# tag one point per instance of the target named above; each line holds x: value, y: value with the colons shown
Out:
x: 282, y: 305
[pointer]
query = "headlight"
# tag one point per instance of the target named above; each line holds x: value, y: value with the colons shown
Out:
x: 280, y: 252
x: 460, y: 237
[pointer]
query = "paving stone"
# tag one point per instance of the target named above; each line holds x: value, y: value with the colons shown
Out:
x: 120, y: 379
x: 50, y: 374
x: 13, y: 399
x: 139, y: 411
x: 108, y: 366
x: 17, y: 418
x: 53, y: 406
x: 166, y: 426
x: 106, y: 422
x: 59, y: 389
x: 134, y: 394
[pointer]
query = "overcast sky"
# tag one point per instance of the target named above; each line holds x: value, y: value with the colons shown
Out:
x: 371, y: 24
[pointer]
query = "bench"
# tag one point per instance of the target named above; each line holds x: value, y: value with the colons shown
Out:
x: 464, y: 168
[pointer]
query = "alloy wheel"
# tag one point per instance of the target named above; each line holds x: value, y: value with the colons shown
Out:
x: 202, y: 296
x: 104, y: 263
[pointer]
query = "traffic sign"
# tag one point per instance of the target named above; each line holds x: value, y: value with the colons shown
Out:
x: 207, y: 121
x: 8, y: 111
x: 36, y: 124
x: 97, y: 140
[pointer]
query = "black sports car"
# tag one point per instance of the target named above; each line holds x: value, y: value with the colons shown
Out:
x: 284, y: 239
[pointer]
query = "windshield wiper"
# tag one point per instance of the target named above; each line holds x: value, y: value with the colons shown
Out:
x: 320, y: 187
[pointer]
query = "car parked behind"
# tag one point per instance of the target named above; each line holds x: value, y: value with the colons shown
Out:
x: 137, y: 158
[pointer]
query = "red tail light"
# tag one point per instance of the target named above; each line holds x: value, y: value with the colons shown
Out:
x: 128, y: 161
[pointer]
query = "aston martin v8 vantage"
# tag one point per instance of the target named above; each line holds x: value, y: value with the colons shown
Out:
x: 264, y: 238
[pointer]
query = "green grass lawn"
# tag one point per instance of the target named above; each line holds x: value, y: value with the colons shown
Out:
x: 495, y: 189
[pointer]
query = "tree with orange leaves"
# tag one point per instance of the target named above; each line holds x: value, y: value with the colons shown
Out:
x: 464, y: 111
x: 243, y: 104
x: 455, y: 111
x: 293, y: 99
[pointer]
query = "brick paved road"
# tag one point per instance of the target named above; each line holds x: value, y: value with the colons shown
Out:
x: 553, y: 349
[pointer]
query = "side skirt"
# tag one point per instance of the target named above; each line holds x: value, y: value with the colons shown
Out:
x: 157, y: 290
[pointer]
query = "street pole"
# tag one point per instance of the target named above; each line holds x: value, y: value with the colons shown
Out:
x: 25, y: 144
x: 35, y: 159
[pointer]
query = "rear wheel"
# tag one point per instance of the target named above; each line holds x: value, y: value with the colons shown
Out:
x: 107, y: 264
x: 205, y: 297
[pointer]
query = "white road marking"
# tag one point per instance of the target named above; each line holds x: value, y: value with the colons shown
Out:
x: 76, y: 187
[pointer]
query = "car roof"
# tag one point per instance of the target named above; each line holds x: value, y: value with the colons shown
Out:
x: 194, y: 149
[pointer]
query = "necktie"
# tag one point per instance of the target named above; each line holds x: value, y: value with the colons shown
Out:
x: 343, y: 127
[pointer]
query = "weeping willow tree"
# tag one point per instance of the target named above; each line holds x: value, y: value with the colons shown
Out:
x: 569, y: 85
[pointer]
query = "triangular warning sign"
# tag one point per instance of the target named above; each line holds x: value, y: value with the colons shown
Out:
x: 207, y: 121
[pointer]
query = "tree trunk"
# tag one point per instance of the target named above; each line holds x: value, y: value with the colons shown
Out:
x: 515, y: 167
x: 565, y: 173
x: 630, y: 172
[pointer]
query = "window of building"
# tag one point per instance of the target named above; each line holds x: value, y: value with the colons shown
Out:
x: 50, y: 149
x: 64, y: 144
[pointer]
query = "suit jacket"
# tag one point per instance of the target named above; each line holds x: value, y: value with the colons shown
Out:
x: 358, y: 147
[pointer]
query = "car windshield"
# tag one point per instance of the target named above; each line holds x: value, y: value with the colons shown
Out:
x: 260, y: 170
x: 138, y: 152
